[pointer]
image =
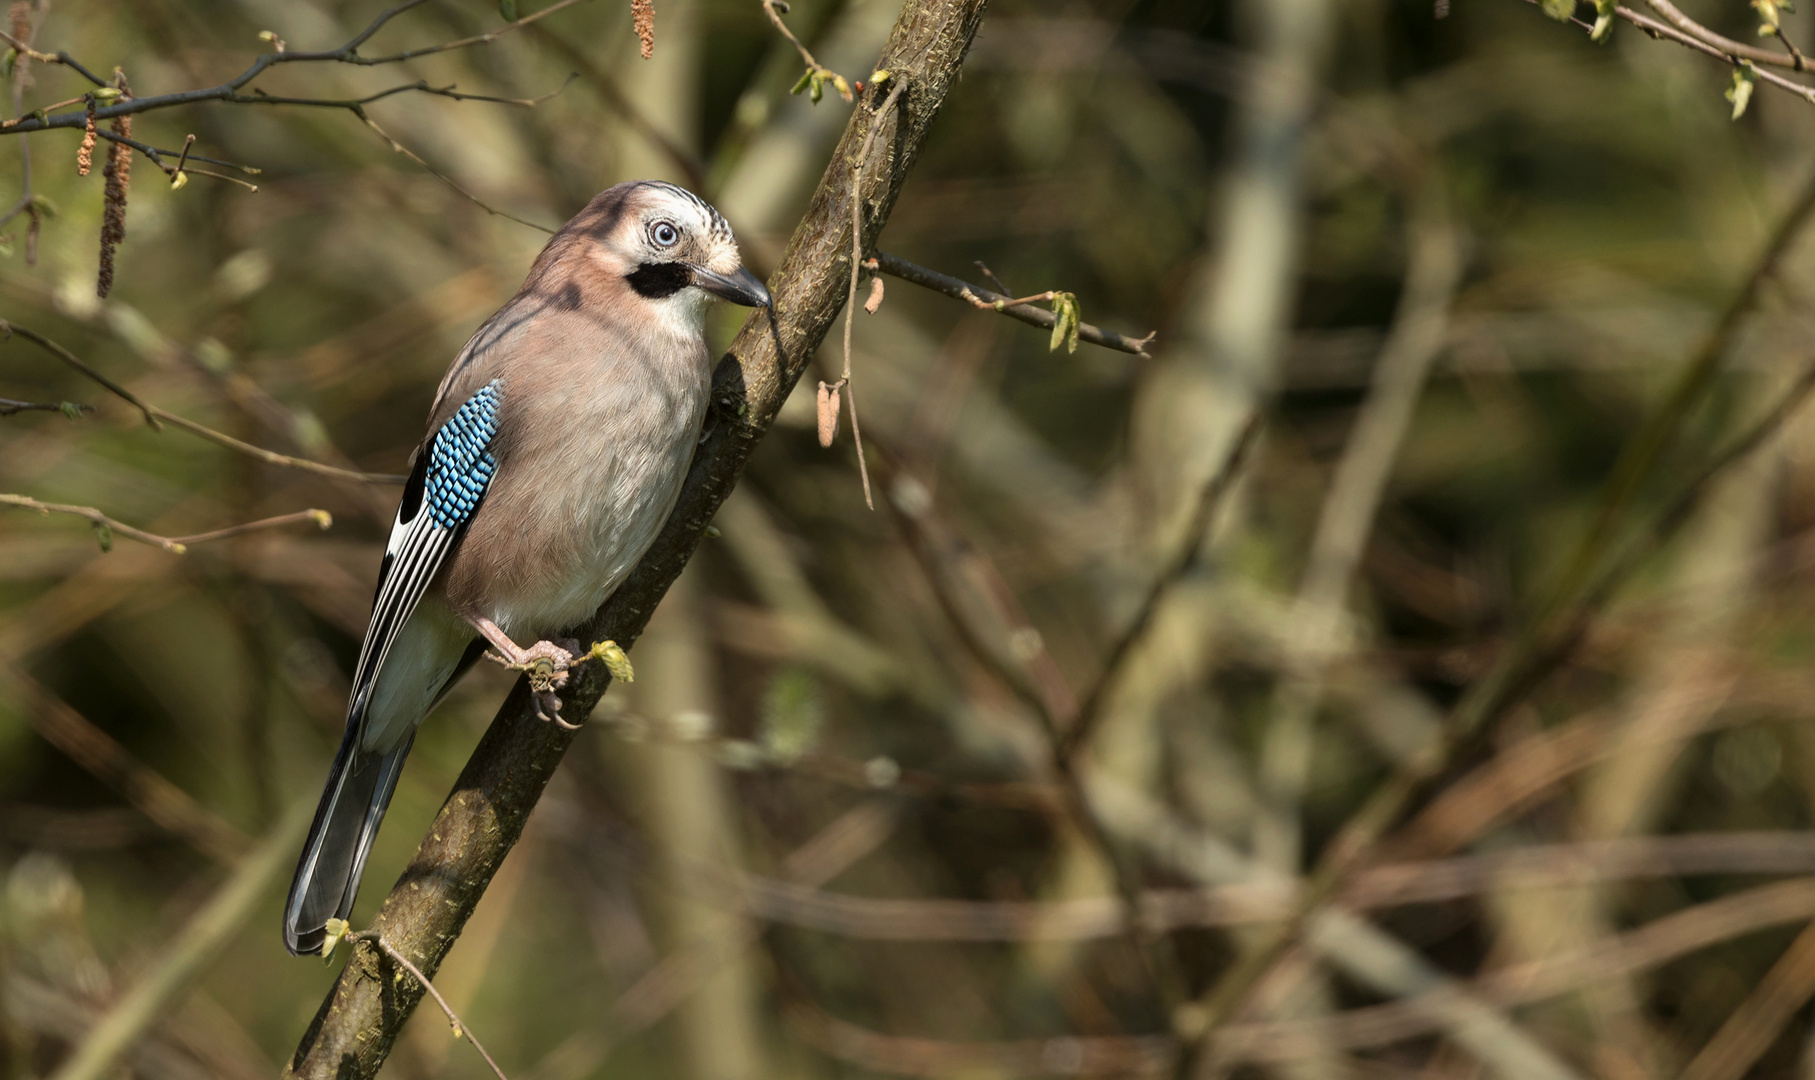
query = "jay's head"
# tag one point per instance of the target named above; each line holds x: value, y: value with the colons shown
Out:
x: 666, y: 245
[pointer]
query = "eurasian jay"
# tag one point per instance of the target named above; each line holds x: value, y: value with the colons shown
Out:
x: 555, y: 451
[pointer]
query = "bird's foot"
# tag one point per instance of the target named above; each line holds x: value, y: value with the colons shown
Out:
x: 545, y: 663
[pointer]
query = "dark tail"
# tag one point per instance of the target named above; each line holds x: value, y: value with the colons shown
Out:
x: 327, y: 877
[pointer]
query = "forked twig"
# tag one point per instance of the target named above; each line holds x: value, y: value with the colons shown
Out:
x: 453, y: 1018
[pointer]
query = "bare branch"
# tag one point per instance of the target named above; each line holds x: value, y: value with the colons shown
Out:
x: 106, y: 526
x: 153, y: 415
x: 230, y: 91
x: 443, y: 177
x: 8, y: 330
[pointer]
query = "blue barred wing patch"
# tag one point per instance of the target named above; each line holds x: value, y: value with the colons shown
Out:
x: 460, y: 466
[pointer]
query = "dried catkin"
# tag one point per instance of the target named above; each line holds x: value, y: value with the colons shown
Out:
x: 118, y: 175
x: 85, y: 154
x: 828, y: 413
x: 642, y: 16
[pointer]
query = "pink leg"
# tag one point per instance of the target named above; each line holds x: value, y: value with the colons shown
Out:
x: 542, y: 684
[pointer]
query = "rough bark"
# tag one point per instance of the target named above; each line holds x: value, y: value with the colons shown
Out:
x: 484, y: 814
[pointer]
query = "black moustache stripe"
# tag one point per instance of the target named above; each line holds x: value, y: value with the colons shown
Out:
x: 658, y: 280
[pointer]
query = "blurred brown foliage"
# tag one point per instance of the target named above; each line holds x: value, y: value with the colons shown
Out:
x: 1456, y: 262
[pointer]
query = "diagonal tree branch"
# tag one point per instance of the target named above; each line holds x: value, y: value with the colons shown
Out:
x: 484, y: 815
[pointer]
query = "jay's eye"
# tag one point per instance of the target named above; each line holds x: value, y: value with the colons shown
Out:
x: 664, y: 234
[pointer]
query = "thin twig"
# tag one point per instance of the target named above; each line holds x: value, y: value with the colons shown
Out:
x: 1190, y: 548
x: 850, y: 306
x: 683, y: 159
x: 453, y: 1018
x: 7, y: 329
x: 1737, y: 56
x: 174, y: 545
x: 9, y: 407
x: 154, y: 416
x: 272, y: 457
x: 984, y: 300
x: 322, y: 519
x: 51, y: 58
x: 813, y: 65
x: 443, y: 177
x: 1675, y: 17
x: 230, y: 91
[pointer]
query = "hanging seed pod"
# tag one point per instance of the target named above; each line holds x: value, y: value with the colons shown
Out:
x: 85, y: 154
x: 118, y: 177
x: 875, y: 300
x: 828, y: 414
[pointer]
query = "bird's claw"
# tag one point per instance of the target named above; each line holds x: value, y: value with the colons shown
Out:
x: 548, y: 707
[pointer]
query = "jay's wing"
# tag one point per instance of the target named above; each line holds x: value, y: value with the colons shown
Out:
x: 443, y: 493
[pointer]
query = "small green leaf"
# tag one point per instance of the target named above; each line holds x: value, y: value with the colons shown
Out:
x: 1740, y: 92
x: 1560, y: 10
x: 107, y: 94
x: 44, y: 206
x: 336, y: 930
x: 1604, y: 11
x: 816, y: 88
x: 507, y: 10
x: 839, y: 84
x: 71, y: 410
x: 104, y: 537
x: 7, y: 62
x: 806, y: 79
x: 1066, y: 317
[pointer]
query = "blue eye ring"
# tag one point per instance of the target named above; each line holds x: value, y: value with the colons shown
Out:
x: 664, y: 234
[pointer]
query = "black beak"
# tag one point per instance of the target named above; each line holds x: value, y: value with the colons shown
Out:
x: 739, y: 288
